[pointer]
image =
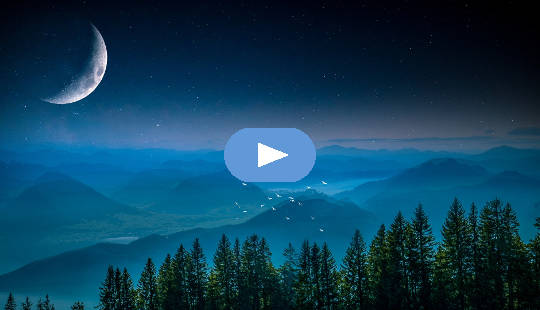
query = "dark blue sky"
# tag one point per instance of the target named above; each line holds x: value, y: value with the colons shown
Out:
x: 459, y: 76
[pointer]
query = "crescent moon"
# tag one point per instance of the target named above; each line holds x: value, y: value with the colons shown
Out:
x: 89, y: 78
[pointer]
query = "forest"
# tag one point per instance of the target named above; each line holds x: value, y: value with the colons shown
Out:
x: 480, y: 263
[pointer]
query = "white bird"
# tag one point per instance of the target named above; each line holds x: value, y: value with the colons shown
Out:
x: 308, y: 187
x: 300, y: 203
x: 273, y: 209
x: 269, y: 198
x: 291, y: 198
x: 236, y: 204
x: 323, y: 182
x: 278, y: 195
x: 244, y: 211
x: 244, y: 184
x: 321, y: 230
x: 262, y: 205
x: 287, y: 218
x: 312, y: 218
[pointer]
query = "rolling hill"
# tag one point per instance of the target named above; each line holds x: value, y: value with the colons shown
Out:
x: 148, y: 187
x: 217, y: 192
x: 48, y: 210
x: 430, y: 175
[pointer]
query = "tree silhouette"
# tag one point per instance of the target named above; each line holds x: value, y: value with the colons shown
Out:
x: 197, y: 276
x: 354, y: 288
x: 107, y: 291
x: 397, y: 264
x: 147, y: 298
x: 288, y: 277
x: 10, y: 304
x: 455, y: 254
x: 221, y: 281
x: 420, y: 255
x: 27, y: 304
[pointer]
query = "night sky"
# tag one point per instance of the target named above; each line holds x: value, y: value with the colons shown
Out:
x: 461, y: 76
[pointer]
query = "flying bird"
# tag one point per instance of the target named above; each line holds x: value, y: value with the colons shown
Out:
x: 323, y: 182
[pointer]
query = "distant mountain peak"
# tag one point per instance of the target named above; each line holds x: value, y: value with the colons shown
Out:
x: 441, y: 167
x: 506, y: 152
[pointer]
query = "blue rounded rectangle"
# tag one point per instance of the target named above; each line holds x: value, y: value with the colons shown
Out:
x: 270, y: 154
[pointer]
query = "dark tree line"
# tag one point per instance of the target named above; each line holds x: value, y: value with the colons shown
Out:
x: 42, y: 304
x: 481, y: 263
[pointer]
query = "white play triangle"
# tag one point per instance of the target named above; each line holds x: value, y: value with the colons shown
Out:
x: 266, y: 155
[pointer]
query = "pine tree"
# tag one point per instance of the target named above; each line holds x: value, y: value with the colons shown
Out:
x: 252, y: 269
x: 117, y: 288
x: 420, y: 256
x: 510, y: 254
x: 179, y: 266
x: 237, y: 274
x: 147, y: 288
x: 354, y: 286
x: 127, y: 294
x: 475, y: 281
x: 328, y: 279
x: 491, y: 245
x: 165, y: 279
x: 442, y: 284
x: 269, y: 280
x: 534, y: 250
x: 303, y: 284
x: 27, y: 304
x: 315, y: 292
x: 521, y: 293
x: 457, y: 253
x: 288, y: 277
x: 518, y: 275
x: 221, y: 282
x: 250, y: 278
x: 397, y: 263
x: 45, y: 305
x: 10, y: 304
x: 77, y: 306
x: 378, y: 271
x: 107, y: 291
x: 197, y: 276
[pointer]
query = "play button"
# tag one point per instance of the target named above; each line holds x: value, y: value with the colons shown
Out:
x: 266, y: 155
x: 269, y: 154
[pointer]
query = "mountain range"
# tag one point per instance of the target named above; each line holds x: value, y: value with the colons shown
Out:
x: 80, y: 272
x: 435, y: 184
x: 85, y: 206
